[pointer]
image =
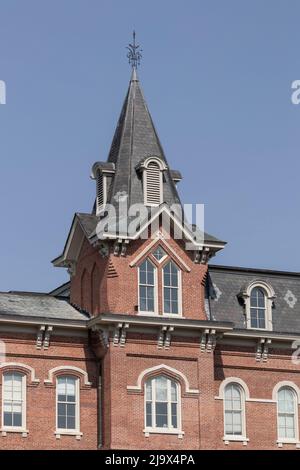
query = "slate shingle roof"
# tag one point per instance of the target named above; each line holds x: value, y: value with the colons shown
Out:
x: 37, y: 306
x: 225, y: 283
x: 135, y: 139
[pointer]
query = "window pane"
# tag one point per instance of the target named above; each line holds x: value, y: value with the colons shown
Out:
x: 290, y: 433
x: 161, y: 389
x: 71, y: 410
x: 159, y: 253
x: 7, y: 419
x: 17, y: 419
x: 70, y: 422
x: 149, y: 414
x: 173, y: 391
x: 161, y: 415
x: 62, y: 422
x: 149, y: 390
x: 61, y: 409
x: 174, y: 415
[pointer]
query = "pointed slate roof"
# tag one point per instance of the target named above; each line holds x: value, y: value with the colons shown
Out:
x: 135, y: 139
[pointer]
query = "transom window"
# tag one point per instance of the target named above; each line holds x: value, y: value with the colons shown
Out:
x: 234, y: 410
x: 287, y: 415
x: 147, y: 287
x: 67, y: 403
x: 171, y: 288
x: 159, y: 253
x: 162, y: 403
x: 258, y: 308
x: 14, y: 389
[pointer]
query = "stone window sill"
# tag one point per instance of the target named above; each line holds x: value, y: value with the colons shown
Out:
x: 283, y: 442
x: 228, y: 439
x: 64, y: 432
x: 5, y: 431
x: 176, y: 432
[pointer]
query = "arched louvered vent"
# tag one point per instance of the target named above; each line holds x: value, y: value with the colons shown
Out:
x: 100, y: 190
x: 153, y: 184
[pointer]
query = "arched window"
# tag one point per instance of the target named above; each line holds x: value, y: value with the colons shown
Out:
x: 153, y: 181
x: 287, y: 414
x: 259, y: 298
x: 234, y: 410
x: 258, y: 308
x: 147, y: 287
x: 171, y: 289
x: 67, y: 404
x: 162, y: 409
x: 14, y: 401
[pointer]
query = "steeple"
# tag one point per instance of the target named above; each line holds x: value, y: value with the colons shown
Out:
x: 135, y: 140
x: 137, y: 171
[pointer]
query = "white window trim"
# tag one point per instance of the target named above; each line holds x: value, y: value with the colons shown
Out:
x: 269, y: 298
x: 16, y: 429
x: 179, y: 288
x: 285, y: 440
x: 169, y: 430
x: 162, y: 369
x: 149, y: 313
x: 69, y: 432
x: 234, y: 437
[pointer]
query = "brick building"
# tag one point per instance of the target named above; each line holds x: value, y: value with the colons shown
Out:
x: 149, y: 346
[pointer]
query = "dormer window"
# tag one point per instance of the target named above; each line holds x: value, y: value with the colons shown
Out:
x: 152, y: 168
x: 102, y: 172
x: 258, y: 308
x: 258, y: 298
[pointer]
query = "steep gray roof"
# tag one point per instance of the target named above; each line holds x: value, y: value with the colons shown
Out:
x: 224, y: 284
x: 38, y: 306
x: 135, y: 139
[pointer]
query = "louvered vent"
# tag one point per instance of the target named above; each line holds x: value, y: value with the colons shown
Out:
x: 100, y: 190
x: 153, y: 184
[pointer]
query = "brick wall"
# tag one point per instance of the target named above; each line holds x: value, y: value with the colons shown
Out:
x: 41, y: 398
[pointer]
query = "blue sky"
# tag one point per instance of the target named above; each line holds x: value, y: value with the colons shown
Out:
x: 217, y: 77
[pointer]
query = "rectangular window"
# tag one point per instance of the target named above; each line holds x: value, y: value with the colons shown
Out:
x: 171, y: 289
x: 14, y: 389
x: 147, y: 273
x: 67, y: 403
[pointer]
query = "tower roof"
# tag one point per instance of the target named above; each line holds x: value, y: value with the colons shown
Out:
x: 134, y: 140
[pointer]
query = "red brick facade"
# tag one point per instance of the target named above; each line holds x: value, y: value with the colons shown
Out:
x: 113, y: 350
x: 125, y: 368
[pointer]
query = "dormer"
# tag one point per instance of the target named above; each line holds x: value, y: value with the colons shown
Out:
x: 152, y: 168
x: 102, y: 173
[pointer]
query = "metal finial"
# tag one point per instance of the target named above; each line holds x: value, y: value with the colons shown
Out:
x: 134, y: 55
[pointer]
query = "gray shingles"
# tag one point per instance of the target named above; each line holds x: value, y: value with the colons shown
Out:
x: 226, y: 283
x: 38, y: 306
x: 135, y: 139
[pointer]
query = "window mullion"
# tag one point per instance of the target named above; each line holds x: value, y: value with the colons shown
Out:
x: 153, y: 410
x: 169, y: 406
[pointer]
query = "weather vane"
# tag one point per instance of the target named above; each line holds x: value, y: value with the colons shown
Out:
x: 134, y: 55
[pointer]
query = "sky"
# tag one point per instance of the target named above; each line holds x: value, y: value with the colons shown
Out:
x: 217, y: 78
